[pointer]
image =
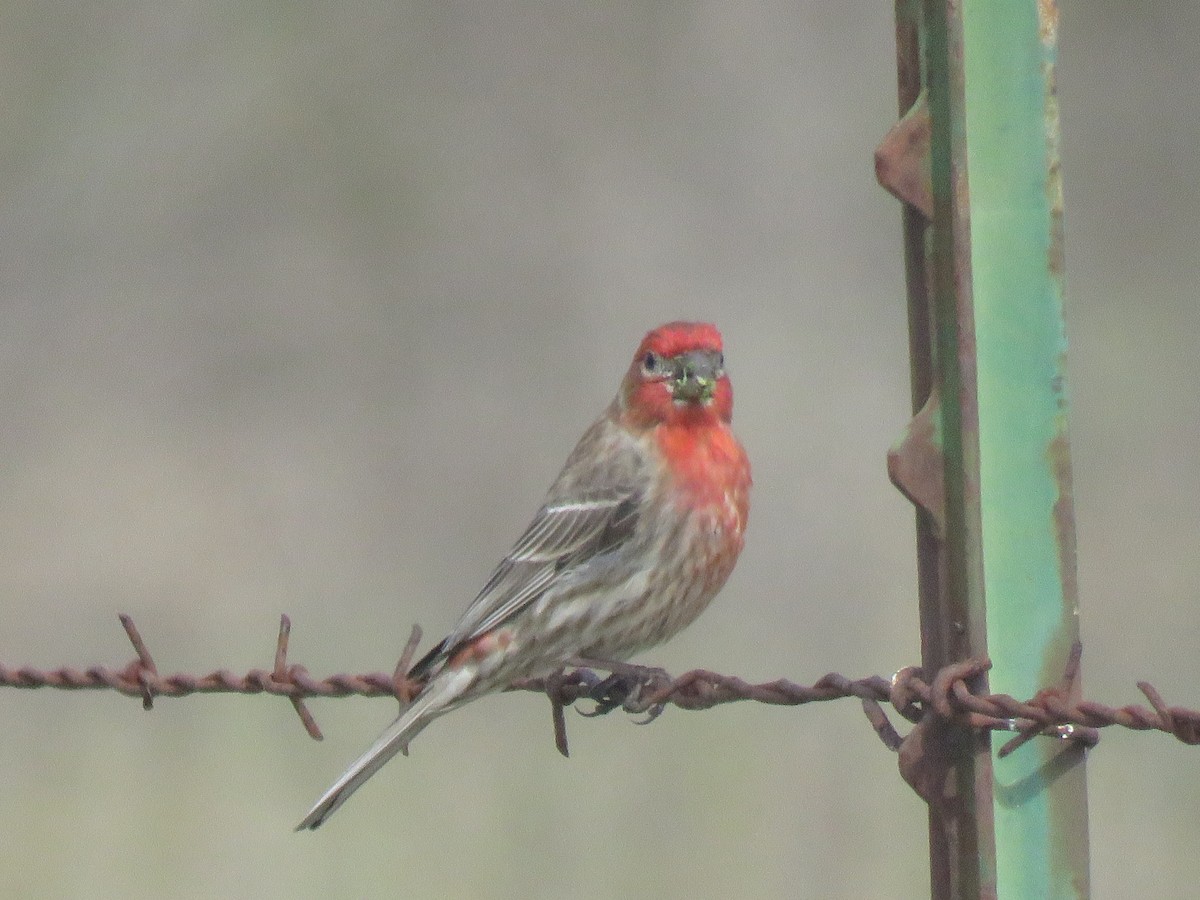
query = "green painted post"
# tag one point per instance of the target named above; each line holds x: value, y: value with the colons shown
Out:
x: 1025, y: 466
x: 986, y: 458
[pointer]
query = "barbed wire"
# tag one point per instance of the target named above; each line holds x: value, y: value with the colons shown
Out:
x: 953, y: 695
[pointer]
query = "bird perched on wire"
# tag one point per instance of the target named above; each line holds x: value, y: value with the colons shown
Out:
x: 636, y: 535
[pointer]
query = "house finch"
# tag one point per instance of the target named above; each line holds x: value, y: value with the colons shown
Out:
x: 635, y: 537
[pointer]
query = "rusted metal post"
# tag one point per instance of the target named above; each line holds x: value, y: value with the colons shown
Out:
x: 985, y: 458
x: 923, y: 161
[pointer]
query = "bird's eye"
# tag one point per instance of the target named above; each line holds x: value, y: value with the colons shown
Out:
x: 651, y: 364
x: 721, y: 361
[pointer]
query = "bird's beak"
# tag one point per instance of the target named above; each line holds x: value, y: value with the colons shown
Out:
x: 695, y: 376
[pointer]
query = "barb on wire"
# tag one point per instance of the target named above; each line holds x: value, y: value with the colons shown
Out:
x: 949, y: 695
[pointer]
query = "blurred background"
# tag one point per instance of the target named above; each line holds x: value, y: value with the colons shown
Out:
x: 303, y: 307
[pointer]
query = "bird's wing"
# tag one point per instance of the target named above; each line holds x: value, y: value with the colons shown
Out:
x: 568, y: 531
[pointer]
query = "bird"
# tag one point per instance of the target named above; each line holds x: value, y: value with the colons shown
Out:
x: 637, y: 534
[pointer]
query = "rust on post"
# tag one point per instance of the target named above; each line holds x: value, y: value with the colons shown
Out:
x: 922, y: 161
x: 902, y: 160
x: 916, y: 466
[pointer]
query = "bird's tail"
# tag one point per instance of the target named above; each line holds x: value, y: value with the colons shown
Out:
x: 436, y: 699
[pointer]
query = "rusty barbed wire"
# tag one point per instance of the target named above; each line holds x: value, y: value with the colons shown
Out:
x: 954, y: 695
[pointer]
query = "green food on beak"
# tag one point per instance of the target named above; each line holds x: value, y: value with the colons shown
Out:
x: 695, y: 376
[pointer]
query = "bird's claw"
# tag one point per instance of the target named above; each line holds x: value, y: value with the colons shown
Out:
x: 626, y: 690
x: 608, y: 694
x: 651, y: 714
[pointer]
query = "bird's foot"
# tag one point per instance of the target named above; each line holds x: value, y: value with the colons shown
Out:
x: 626, y: 687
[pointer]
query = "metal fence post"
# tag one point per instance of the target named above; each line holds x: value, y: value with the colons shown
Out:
x: 986, y: 459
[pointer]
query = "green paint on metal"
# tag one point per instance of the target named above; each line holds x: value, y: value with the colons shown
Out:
x: 984, y: 267
x: 1026, y: 511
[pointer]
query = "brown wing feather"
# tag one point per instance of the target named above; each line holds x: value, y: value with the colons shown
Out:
x: 587, y: 514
